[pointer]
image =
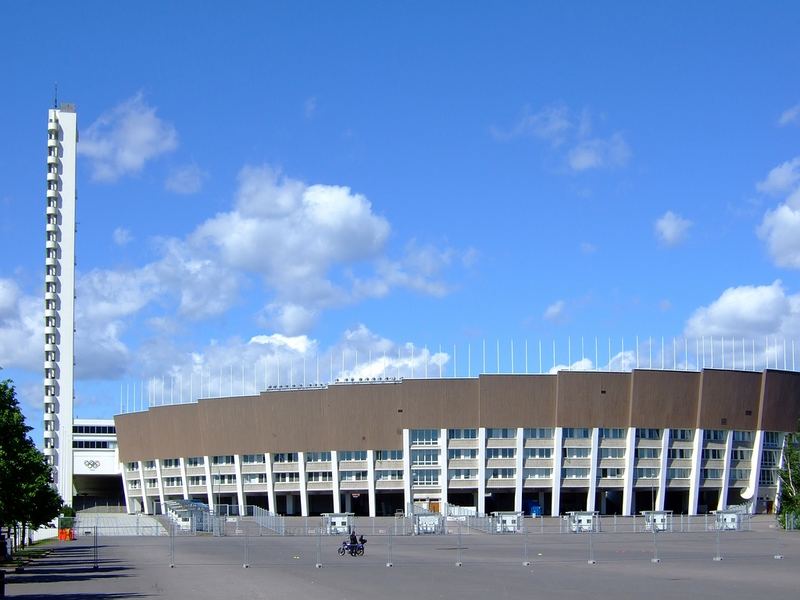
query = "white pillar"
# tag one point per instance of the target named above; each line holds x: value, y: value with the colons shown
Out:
x: 123, y: 469
x: 184, y: 479
x: 371, y: 481
x: 143, y: 488
x: 237, y: 467
x: 444, y: 479
x: 301, y: 467
x: 694, y: 477
x: 558, y: 450
x: 726, y: 472
x: 630, y: 457
x: 520, y: 470
x: 407, y: 498
x: 160, y: 485
x: 662, y: 471
x: 591, y: 495
x: 212, y: 501
x: 481, y: 471
x: 755, y: 469
x: 337, y: 496
x: 273, y: 507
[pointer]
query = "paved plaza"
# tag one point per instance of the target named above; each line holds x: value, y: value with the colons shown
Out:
x: 282, y: 567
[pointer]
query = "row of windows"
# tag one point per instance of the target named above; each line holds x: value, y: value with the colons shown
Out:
x: 94, y: 444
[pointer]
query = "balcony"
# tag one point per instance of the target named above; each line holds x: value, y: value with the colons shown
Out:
x: 52, y: 142
x: 52, y: 125
x: 52, y: 176
x: 52, y: 159
x: 52, y: 193
x: 51, y: 244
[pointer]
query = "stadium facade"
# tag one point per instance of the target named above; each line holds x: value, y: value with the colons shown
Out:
x: 615, y: 442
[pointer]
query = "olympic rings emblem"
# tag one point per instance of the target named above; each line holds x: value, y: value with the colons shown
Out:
x: 92, y: 464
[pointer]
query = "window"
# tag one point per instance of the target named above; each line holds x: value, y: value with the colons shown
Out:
x: 462, y: 453
x: 425, y: 476
x: 742, y: 436
x: 769, y: 458
x: 462, y: 474
x: 93, y: 444
x: 96, y: 429
x: 740, y: 474
x: 612, y: 434
x: 611, y: 473
x: 195, y: 461
x: 612, y: 452
x: 462, y: 434
x: 679, y: 473
x: 173, y: 482
x: 772, y: 439
x: 714, y: 435
x: 389, y: 475
x: 647, y: 473
x: 253, y: 459
x: 502, y: 473
x: 223, y: 479
x: 712, y: 473
x: 287, y: 477
x: 501, y: 452
x: 132, y: 466
x: 713, y: 453
x: 573, y: 473
x: 286, y: 457
x: 151, y: 483
x: 767, y: 477
x: 134, y: 484
x: 580, y: 433
x: 679, y: 453
x: 538, y: 452
x: 424, y: 437
x: 222, y: 460
x: 648, y: 452
x: 352, y: 455
x: 501, y: 433
x: 538, y: 473
x: 316, y: 476
x: 197, y: 480
x: 573, y: 452
x: 354, y: 475
x: 424, y: 457
x: 170, y: 463
x: 741, y: 454
x: 648, y: 434
x: 539, y: 433
x: 150, y: 464
x: 314, y: 457
x: 254, y: 478
x: 389, y: 455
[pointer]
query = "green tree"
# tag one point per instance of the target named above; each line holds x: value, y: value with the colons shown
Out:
x: 27, y: 497
x: 790, y: 479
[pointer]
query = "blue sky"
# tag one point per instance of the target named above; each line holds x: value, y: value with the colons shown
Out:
x: 303, y: 179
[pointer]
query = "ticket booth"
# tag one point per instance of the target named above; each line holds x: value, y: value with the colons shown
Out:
x: 657, y: 520
x: 583, y: 521
x: 337, y: 523
x: 506, y: 522
x: 728, y: 520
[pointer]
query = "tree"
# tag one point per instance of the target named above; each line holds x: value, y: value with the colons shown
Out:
x: 27, y: 498
x: 790, y: 478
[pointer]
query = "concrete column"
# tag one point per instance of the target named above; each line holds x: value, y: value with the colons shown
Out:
x: 212, y: 501
x: 694, y: 481
x: 124, y: 470
x: 726, y: 472
x: 184, y: 479
x: 160, y: 486
x: 273, y: 507
x: 444, y: 479
x: 630, y: 457
x: 558, y: 450
x: 143, y: 488
x: 289, y: 504
x: 348, y: 503
x: 481, y: 471
x: 520, y: 469
x: 755, y: 471
x: 337, y: 496
x: 237, y: 467
x: 371, y: 481
x: 408, y: 499
x: 301, y: 468
x: 593, y: 457
x: 662, y: 472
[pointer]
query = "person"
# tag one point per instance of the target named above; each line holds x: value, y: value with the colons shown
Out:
x: 353, y: 539
x: 362, y: 540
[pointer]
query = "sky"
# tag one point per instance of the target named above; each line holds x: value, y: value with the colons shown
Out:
x: 361, y: 189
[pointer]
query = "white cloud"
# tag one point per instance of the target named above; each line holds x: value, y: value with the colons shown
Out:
x: 588, y: 248
x: 790, y: 116
x: 551, y: 123
x: 671, y: 229
x: 749, y: 311
x: 21, y: 328
x: 599, y: 153
x: 123, y: 139
x: 9, y: 295
x: 186, y: 180
x: 782, y: 178
x: 122, y: 236
x: 555, y: 311
x: 584, y: 364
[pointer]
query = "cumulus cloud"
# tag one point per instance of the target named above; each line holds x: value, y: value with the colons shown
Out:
x: 584, y: 364
x: 780, y: 227
x: 21, y: 328
x: 122, y: 236
x: 782, y: 178
x: 671, y: 229
x: 749, y: 311
x: 791, y: 116
x: 186, y: 180
x: 123, y: 139
x: 555, y: 311
x: 599, y: 153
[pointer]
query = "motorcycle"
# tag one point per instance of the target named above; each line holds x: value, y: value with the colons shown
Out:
x: 352, y: 549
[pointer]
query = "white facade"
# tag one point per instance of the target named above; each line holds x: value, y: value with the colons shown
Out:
x: 59, y: 296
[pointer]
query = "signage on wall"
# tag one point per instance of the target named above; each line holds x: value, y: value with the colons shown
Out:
x: 91, y: 464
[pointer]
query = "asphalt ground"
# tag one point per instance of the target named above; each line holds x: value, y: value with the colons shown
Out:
x: 423, y: 567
